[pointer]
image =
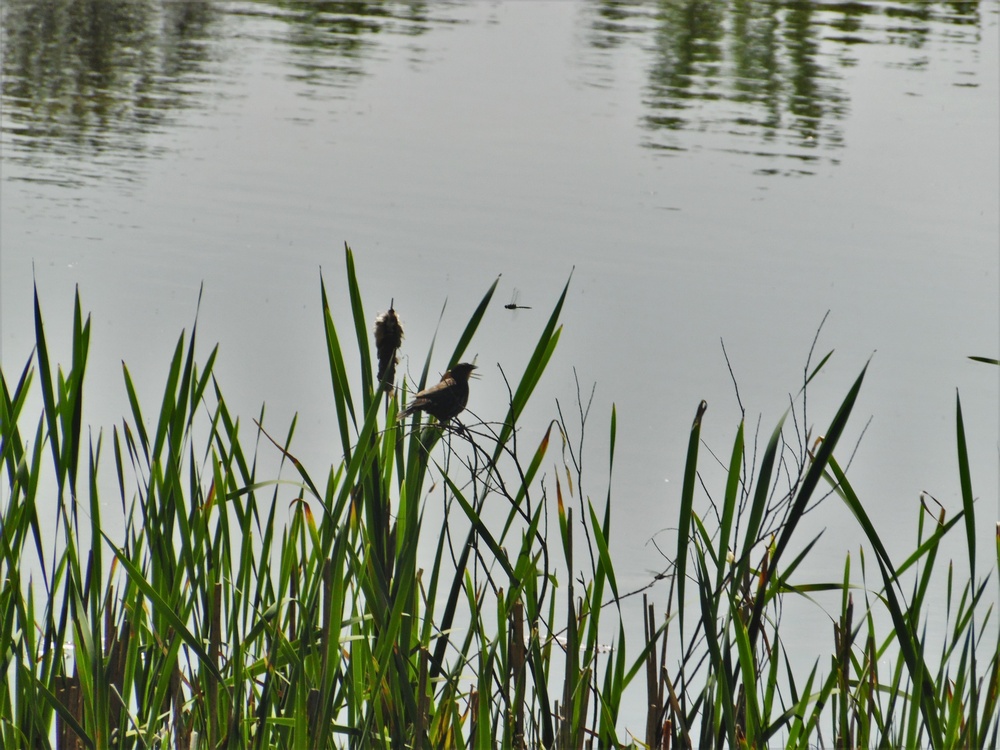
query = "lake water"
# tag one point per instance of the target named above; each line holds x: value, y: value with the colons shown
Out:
x: 707, y: 172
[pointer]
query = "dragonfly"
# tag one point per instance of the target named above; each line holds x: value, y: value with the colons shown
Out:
x: 515, y: 298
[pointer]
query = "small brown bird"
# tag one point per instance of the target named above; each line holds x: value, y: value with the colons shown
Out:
x: 445, y: 400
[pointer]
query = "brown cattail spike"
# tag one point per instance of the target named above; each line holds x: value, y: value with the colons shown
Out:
x: 388, y: 337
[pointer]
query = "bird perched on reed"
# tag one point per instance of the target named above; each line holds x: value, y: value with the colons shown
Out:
x: 446, y: 399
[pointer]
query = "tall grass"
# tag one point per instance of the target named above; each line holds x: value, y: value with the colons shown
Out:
x: 732, y: 683
x: 246, y: 608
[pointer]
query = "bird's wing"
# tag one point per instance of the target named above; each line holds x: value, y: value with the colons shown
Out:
x: 421, y: 398
x: 444, y: 383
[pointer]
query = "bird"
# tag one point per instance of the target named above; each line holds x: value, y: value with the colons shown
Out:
x: 446, y: 399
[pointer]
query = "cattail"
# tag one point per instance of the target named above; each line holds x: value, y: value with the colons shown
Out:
x: 388, y: 337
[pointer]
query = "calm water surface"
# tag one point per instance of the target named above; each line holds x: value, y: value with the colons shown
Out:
x: 708, y: 172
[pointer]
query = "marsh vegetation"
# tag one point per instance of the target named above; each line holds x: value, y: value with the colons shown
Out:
x: 321, y: 607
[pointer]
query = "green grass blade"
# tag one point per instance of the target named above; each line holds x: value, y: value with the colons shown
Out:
x: 687, y: 502
x: 169, y: 403
x: 360, y: 329
x: 602, y: 549
x: 965, y: 477
x: 136, y: 412
x: 729, y: 506
x: 71, y: 431
x: 48, y: 391
x: 472, y: 326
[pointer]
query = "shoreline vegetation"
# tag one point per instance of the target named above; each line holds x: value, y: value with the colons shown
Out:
x: 211, y: 621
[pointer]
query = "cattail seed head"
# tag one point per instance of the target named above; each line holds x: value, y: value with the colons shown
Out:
x: 388, y: 338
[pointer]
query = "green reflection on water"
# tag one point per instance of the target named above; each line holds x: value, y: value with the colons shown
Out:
x: 89, y: 78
